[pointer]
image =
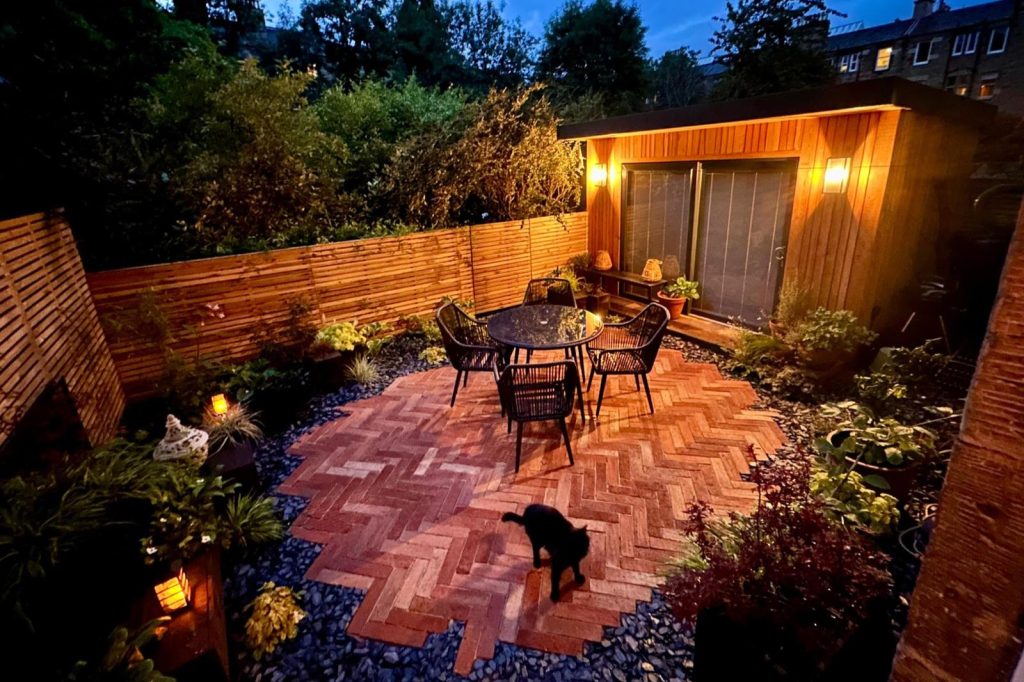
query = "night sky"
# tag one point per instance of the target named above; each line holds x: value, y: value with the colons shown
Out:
x: 674, y: 23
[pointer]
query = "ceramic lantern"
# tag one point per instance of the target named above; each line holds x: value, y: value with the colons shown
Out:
x: 603, y: 260
x: 181, y: 442
x: 652, y: 270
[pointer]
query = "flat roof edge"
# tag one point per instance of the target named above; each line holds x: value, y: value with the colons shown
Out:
x: 890, y: 92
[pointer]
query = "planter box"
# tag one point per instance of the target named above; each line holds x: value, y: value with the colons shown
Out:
x: 900, y: 479
x: 235, y: 463
x: 599, y: 304
x: 328, y: 372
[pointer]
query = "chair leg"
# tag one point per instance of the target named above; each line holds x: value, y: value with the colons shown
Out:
x: 565, y: 435
x: 650, y: 403
x: 465, y: 380
x: 510, y: 423
x: 529, y: 355
x: 519, y: 443
x: 636, y: 380
x: 600, y: 396
x: 455, y: 391
x: 517, y: 356
x: 590, y: 381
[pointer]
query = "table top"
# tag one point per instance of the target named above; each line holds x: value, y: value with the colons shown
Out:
x: 539, y: 327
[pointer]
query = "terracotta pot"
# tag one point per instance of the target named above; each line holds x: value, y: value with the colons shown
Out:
x: 674, y: 305
x: 328, y: 371
x: 900, y: 479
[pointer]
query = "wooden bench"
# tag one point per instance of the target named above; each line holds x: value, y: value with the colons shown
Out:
x: 621, y: 277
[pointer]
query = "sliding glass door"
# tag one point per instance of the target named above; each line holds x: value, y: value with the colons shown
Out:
x: 657, y: 213
x: 724, y: 224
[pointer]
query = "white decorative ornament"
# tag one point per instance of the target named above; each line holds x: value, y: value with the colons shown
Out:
x: 181, y: 442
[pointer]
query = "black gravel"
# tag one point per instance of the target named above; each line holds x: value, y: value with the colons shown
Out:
x: 648, y: 645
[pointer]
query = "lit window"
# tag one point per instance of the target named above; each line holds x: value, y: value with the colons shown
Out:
x: 959, y: 83
x: 923, y: 52
x: 966, y: 43
x: 883, y: 59
x: 987, y: 86
x: 997, y: 40
x: 849, y: 63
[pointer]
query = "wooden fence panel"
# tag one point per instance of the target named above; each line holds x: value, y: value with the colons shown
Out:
x: 366, y: 280
x: 49, y: 327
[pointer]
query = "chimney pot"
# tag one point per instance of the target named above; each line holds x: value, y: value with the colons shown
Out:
x: 923, y: 8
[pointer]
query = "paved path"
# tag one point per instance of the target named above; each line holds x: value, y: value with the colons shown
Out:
x: 406, y: 495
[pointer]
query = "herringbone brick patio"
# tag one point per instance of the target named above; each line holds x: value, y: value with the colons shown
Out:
x: 407, y: 494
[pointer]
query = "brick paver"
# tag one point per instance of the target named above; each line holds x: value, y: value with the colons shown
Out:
x: 406, y: 495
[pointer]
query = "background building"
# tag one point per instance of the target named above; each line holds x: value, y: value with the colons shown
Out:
x: 975, y: 51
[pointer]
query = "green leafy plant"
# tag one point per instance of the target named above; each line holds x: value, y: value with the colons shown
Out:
x: 849, y: 501
x: 192, y: 512
x: 888, y: 385
x: 877, y: 441
x: 255, y: 380
x: 434, y: 355
x: 363, y: 370
x: 285, y: 344
x: 252, y: 520
x: 372, y: 330
x: 236, y: 426
x: 275, y: 618
x: 188, y: 382
x: 580, y: 262
x: 828, y: 330
x: 569, y: 273
x: 682, y: 288
x: 340, y: 336
x: 123, y: 660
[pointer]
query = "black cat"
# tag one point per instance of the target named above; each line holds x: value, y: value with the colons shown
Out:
x: 567, y: 545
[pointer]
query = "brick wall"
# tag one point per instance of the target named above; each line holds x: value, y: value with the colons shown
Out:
x: 966, y: 612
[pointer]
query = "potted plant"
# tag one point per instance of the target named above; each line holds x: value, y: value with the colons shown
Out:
x: 333, y: 350
x: 233, y: 436
x: 886, y: 452
x: 782, y: 593
x: 829, y: 339
x: 674, y: 295
x: 277, y: 394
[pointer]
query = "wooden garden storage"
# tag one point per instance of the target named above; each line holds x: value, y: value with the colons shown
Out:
x: 739, y: 195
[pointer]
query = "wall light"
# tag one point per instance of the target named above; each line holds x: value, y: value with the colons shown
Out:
x: 599, y: 175
x: 219, y: 404
x: 837, y: 174
x: 173, y: 593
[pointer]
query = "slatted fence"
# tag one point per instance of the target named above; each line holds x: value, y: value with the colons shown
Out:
x: 49, y: 328
x: 367, y: 280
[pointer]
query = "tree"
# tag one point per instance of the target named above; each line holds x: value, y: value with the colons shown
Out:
x: 772, y: 46
x: 71, y: 72
x: 597, y: 48
x: 345, y: 39
x: 677, y: 79
x: 422, y: 44
x: 494, y: 52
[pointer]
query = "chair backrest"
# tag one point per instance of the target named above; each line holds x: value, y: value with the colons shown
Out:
x: 649, y: 327
x: 553, y: 290
x: 458, y: 330
x: 523, y: 394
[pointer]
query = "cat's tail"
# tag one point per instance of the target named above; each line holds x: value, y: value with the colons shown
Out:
x: 514, y: 518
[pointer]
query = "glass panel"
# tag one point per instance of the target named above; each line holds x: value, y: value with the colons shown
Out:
x: 657, y: 223
x: 741, y: 240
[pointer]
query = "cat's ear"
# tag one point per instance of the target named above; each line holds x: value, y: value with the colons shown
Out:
x: 584, y: 529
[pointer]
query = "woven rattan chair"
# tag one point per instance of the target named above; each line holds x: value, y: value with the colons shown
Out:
x: 551, y: 290
x: 541, y: 392
x: 628, y: 348
x: 466, y: 341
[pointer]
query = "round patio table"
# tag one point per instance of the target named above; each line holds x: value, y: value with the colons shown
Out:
x: 546, y: 327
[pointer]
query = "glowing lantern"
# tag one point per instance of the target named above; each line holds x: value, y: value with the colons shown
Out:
x: 837, y: 173
x: 219, y: 404
x: 174, y: 593
x: 599, y: 174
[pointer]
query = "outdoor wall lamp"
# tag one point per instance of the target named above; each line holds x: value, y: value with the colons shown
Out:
x: 837, y: 174
x: 599, y: 175
x: 173, y: 593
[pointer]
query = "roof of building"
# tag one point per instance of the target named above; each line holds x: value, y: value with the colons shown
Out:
x: 938, y: 22
x: 878, y: 93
